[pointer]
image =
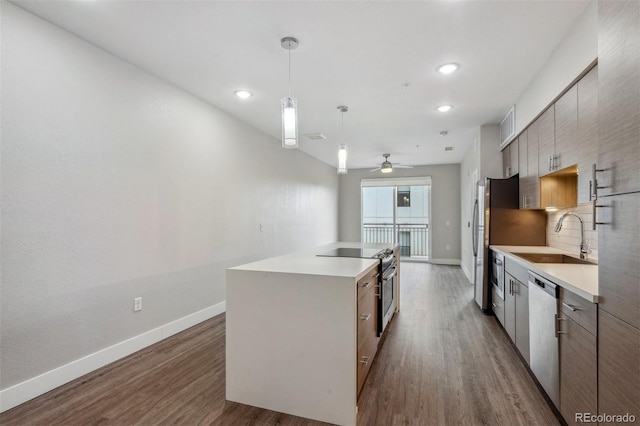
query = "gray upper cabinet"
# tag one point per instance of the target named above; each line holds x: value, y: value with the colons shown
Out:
x: 587, y: 148
x: 546, y: 141
x: 513, y: 157
x: 528, y: 167
x: 567, y: 134
x: 506, y: 160
x: 510, y: 159
x: 566, y: 130
x: 618, y: 96
x: 532, y: 188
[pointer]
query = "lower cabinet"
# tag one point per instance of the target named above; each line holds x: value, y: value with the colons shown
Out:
x: 516, y: 306
x: 618, y: 368
x: 367, y: 325
x: 578, y: 372
x: 578, y: 348
x: 522, y: 318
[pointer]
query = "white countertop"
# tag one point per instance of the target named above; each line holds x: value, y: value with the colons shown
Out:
x: 307, y: 262
x: 580, y: 279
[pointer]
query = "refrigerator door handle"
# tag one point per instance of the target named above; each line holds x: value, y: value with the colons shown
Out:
x: 474, y: 231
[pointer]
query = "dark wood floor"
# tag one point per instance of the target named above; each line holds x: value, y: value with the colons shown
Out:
x: 443, y: 363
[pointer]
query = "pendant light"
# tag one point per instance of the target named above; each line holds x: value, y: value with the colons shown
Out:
x: 342, y: 150
x: 289, y: 104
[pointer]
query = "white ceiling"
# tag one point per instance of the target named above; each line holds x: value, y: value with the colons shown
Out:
x: 378, y: 58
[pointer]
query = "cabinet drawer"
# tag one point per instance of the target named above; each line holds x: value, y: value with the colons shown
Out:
x: 580, y: 310
x: 367, y: 317
x: 366, y: 353
x: 497, y: 305
x: 516, y: 270
x: 368, y: 282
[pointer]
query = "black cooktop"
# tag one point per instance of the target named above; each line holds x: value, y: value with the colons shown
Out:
x: 351, y: 252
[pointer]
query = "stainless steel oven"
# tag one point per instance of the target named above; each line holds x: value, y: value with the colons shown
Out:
x: 387, y: 294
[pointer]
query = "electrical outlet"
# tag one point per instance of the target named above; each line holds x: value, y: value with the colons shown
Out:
x: 137, y: 304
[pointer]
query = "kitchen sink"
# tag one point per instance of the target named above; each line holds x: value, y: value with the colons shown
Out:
x: 553, y: 258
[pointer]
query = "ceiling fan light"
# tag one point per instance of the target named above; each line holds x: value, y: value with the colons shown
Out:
x: 289, y: 123
x: 386, y: 167
x: 342, y: 160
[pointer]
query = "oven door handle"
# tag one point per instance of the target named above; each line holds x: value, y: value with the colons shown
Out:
x: 388, y: 277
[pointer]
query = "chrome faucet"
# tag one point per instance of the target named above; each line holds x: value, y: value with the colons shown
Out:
x: 584, y: 251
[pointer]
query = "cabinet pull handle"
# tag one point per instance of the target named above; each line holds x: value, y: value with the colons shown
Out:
x: 593, y: 194
x: 557, y: 323
x: 367, y: 284
x: 364, y: 360
x: 572, y: 307
x: 550, y: 159
x: 594, y: 205
x: 365, y: 317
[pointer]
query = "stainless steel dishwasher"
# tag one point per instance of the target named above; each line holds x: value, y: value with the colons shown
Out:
x: 543, y: 334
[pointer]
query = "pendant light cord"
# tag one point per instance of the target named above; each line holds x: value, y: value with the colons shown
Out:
x: 289, y: 49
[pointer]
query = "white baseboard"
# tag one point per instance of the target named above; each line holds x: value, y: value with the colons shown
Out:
x: 466, y: 272
x: 36, y: 386
x: 445, y: 261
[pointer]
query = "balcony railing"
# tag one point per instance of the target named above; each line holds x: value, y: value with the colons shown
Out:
x: 413, y: 238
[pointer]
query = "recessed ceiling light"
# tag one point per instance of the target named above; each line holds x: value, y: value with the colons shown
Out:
x: 243, y: 94
x: 448, y: 148
x: 444, y: 133
x: 444, y: 108
x: 447, y: 68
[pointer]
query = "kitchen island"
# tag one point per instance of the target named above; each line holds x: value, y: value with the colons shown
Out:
x: 292, y: 332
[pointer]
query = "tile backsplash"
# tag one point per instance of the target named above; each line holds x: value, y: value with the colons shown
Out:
x: 568, y: 239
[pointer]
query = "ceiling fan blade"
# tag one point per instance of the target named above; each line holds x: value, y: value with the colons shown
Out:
x: 375, y: 170
x: 402, y: 167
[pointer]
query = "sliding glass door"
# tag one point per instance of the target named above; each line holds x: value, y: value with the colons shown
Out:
x: 397, y: 211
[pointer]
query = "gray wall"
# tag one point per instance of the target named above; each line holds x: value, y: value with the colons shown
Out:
x: 114, y: 185
x: 445, y: 206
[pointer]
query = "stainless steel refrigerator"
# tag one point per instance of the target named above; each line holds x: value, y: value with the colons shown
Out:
x: 497, y: 220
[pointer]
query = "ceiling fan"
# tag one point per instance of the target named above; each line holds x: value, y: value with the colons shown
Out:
x: 387, y: 166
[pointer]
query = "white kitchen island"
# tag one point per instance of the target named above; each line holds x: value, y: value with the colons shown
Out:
x: 291, y: 333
